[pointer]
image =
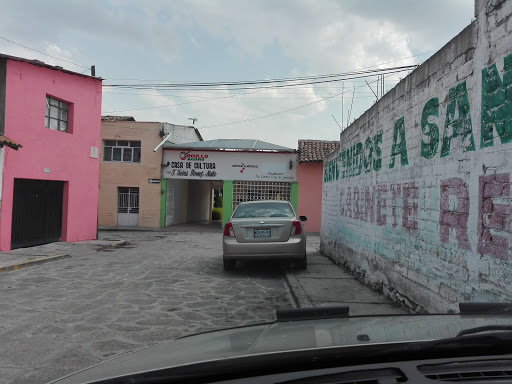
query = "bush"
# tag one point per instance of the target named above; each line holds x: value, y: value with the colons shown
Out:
x: 217, y: 214
x: 217, y: 201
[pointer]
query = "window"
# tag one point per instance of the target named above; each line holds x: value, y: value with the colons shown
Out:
x: 255, y: 190
x: 121, y: 150
x: 264, y: 209
x: 56, y: 115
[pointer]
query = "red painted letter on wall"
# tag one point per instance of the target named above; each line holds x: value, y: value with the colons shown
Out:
x: 456, y: 218
x: 492, y: 216
x: 410, y: 206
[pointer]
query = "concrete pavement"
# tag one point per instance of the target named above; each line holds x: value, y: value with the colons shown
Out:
x: 326, y: 284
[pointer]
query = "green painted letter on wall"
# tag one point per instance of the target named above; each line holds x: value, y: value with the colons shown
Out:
x: 399, y: 146
x: 430, y: 139
x: 458, y: 120
x: 496, y: 104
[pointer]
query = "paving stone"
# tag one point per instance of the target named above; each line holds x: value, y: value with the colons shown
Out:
x: 96, y: 305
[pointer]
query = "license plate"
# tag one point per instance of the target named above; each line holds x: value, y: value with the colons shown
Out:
x: 259, y: 233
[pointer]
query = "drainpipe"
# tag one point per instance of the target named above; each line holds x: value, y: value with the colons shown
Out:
x: 162, y: 143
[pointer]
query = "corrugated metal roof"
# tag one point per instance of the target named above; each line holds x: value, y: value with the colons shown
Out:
x: 231, y: 144
x: 315, y: 150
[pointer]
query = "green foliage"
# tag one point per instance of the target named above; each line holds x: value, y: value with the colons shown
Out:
x: 217, y: 200
x: 217, y: 214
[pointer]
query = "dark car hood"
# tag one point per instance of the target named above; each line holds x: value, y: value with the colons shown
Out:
x: 284, y: 336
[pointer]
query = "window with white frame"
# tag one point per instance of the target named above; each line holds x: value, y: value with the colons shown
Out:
x: 56, y: 115
x: 121, y: 150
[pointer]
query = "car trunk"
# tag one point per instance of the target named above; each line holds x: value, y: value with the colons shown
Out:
x: 262, y: 230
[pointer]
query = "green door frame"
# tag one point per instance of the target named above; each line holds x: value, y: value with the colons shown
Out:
x: 227, y: 201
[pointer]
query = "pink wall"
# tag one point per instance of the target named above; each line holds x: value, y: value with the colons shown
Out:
x: 67, y: 155
x: 309, y: 177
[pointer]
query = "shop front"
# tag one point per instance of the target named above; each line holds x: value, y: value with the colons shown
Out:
x: 245, y: 170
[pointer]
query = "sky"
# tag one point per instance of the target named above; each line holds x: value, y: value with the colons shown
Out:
x: 217, y: 41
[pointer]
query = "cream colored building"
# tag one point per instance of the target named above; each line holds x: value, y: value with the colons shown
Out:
x: 132, y: 192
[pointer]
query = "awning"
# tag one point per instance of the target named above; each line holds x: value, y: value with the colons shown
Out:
x: 4, y: 140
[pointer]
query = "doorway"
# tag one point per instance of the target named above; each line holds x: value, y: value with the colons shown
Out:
x: 36, y: 212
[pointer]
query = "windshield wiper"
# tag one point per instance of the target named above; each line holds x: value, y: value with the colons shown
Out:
x: 484, y: 328
x: 471, y: 344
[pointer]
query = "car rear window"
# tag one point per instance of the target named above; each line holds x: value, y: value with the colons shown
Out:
x: 263, y: 210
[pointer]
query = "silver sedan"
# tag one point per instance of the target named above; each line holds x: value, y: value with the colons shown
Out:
x: 265, y: 229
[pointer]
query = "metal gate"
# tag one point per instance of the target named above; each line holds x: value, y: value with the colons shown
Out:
x: 36, y: 212
x: 256, y: 190
x: 128, y: 206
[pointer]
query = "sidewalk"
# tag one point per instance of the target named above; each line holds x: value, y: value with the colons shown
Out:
x: 326, y: 284
x: 27, y: 257
x: 109, y: 237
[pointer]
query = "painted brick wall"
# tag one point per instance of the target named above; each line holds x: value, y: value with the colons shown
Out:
x: 417, y: 200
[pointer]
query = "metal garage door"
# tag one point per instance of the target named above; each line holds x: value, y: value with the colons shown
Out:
x: 36, y: 212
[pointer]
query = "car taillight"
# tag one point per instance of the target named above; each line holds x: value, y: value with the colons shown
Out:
x: 228, y: 230
x: 296, y: 228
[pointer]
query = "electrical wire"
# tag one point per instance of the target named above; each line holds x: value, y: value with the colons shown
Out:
x: 222, y: 97
x: 278, y: 112
x: 263, y: 84
x: 42, y: 53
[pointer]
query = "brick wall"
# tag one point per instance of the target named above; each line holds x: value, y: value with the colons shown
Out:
x: 417, y: 200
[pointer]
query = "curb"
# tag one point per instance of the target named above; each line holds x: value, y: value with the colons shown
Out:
x: 299, y: 296
x: 30, y: 263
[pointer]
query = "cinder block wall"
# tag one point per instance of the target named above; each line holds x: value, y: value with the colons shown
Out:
x: 417, y: 200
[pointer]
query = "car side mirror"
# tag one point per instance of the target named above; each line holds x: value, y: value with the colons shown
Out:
x: 303, y: 218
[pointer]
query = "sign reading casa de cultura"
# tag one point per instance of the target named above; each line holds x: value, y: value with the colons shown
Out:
x: 229, y: 165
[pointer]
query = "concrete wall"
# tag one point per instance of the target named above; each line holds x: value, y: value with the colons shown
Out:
x: 199, y: 201
x: 309, y: 178
x: 417, y: 200
x: 118, y: 174
x: 181, y: 134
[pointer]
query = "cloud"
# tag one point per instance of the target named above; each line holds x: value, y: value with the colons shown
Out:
x: 234, y: 40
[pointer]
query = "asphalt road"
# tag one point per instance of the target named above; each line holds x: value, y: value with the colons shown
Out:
x: 59, y: 317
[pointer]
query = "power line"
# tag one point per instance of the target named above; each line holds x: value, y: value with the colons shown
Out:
x: 42, y: 53
x: 282, y: 111
x: 262, y: 84
x: 260, y: 89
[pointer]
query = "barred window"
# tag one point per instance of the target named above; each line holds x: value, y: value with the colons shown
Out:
x: 121, y: 150
x: 56, y: 115
x: 256, y: 190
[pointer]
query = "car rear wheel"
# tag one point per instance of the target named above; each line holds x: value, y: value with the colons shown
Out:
x: 229, y: 265
x: 303, y: 263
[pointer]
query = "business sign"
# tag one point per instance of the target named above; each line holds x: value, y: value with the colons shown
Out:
x: 229, y: 165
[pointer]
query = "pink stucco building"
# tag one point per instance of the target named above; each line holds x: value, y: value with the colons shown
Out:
x: 310, y: 173
x: 49, y: 186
